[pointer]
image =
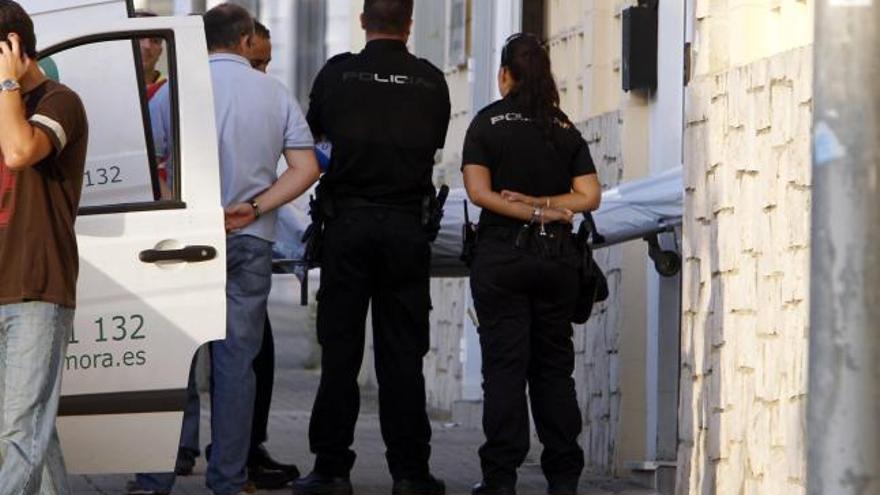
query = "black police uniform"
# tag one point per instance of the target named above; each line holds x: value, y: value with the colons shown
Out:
x: 525, y: 287
x: 386, y: 113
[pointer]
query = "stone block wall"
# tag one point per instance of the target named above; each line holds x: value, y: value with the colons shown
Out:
x: 596, y: 343
x: 745, y: 278
x: 443, y: 366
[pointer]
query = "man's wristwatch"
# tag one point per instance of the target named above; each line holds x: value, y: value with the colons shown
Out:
x: 9, y: 85
x: 256, y: 207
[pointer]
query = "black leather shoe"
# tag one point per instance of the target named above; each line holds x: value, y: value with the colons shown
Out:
x: 318, y: 484
x: 567, y: 488
x: 419, y: 486
x: 270, y: 479
x: 259, y: 458
x: 484, y: 488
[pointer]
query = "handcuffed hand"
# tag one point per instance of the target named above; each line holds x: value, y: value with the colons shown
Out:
x: 239, y: 216
x: 12, y: 64
x: 558, y: 215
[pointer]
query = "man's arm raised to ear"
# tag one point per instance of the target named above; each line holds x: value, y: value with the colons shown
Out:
x: 21, y: 143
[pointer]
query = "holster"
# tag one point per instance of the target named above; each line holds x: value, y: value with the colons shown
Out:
x: 432, y: 212
x: 593, y: 285
x: 320, y: 210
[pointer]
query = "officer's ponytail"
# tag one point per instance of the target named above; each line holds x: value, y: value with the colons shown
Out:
x: 529, y: 64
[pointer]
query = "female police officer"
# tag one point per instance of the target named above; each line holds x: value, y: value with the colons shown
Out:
x: 530, y: 171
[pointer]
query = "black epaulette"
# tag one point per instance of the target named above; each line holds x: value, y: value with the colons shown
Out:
x: 339, y: 58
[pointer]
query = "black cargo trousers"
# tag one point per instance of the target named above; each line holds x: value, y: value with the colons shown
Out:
x: 524, y: 303
x: 376, y: 257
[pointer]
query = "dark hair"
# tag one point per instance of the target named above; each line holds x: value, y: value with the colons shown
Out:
x: 529, y: 64
x: 225, y: 24
x: 387, y: 16
x: 261, y: 30
x: 13, y: 19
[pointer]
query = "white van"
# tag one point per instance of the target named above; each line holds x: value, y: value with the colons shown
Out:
x: 152, y: 272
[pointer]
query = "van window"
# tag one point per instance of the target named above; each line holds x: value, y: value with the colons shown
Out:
x: 131, y: 117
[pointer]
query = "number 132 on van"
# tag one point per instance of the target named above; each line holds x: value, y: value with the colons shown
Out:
x: 115, y: 328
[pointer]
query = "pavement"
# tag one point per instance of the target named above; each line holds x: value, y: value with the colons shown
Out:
x: 454, y: 457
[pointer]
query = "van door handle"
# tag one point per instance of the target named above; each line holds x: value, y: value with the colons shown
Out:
x: 189, y: 254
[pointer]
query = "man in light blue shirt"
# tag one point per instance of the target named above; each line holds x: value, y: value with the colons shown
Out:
x: 257, y: 122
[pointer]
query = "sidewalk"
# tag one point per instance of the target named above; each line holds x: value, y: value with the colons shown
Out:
x: 454, y: 457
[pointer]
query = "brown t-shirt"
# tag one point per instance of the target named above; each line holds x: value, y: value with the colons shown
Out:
x: 38, y: 255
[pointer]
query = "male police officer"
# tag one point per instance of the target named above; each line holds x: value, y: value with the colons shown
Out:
x: 386, y: 113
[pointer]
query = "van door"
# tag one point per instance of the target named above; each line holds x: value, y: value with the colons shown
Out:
x: 152, y: 246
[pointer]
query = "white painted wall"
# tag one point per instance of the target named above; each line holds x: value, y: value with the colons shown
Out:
x: 665, y: 152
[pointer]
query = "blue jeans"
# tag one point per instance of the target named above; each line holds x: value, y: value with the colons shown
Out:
x: 189, y: 438
x: 189, y: 433
x: 248, y: 280
x: 33, y: 340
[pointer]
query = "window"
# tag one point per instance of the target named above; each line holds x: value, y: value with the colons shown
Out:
x: 457, y: 47
x: 128, y: 165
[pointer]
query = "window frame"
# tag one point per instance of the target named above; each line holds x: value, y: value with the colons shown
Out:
x: 171, y: 51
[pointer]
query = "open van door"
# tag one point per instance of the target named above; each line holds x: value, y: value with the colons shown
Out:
x: 152, y: 266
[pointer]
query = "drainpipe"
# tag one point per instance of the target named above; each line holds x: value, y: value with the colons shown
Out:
x: 843, y: 418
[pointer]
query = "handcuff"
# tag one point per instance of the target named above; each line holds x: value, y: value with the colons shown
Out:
x: 538, y: 217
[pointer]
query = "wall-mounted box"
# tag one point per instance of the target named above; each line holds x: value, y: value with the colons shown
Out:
x: 639, y: 59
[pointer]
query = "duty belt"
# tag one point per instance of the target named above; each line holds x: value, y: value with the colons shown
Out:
x: 557, y: 239
x: 355, y: 203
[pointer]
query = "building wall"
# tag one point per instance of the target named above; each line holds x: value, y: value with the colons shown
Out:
x: 448, y: 170
x: 443, y: 365
x: 597, y: 344
x: 743, y: 382
x: 584, y: 39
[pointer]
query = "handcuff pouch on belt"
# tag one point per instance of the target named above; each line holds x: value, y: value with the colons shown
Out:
x: 593, y: 286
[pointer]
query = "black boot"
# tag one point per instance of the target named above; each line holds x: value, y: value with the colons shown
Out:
x: 318, y: 484
x: 419, y: 486
x: 484, y: 488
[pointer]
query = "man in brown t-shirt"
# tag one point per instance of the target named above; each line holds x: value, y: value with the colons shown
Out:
x: 43, y: 138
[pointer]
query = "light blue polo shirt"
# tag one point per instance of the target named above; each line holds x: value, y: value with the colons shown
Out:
x: 257, y: 120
